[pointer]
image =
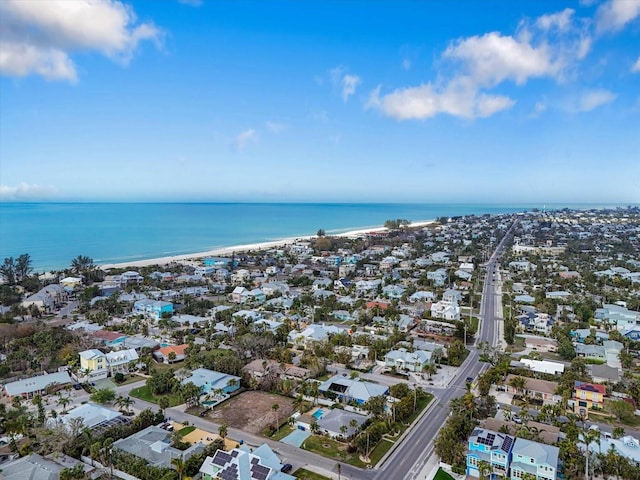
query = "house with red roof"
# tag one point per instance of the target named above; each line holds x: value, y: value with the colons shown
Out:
x: 586, y: 396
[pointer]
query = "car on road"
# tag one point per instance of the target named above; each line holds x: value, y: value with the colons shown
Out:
x: 516, y: 419
x: 286, y: 468
x: 469, y: 379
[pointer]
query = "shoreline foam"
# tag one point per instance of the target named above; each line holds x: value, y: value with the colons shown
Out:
x: 225, y: 251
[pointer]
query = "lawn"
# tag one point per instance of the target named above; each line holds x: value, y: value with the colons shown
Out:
x: 183, y: 432
x: 144, y: 393
x: 383, y: 447
x: 130, y: 378
x: 282, y: 432
x: 307, y: 475
x: 442, y: 475
x: 332, y: 449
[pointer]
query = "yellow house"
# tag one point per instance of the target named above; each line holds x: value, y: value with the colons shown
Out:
x: 94, y: 362
x: 586, y: 396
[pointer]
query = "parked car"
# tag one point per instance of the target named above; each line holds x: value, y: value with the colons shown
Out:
x: 286, y: 468
x: 516, y: 419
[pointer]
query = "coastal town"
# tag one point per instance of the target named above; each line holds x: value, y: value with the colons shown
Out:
x: 478, y: 346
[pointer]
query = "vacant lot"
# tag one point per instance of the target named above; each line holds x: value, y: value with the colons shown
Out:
x: 252, y: 411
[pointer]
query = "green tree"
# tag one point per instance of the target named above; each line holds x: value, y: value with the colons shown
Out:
x: 190, y: 394
x: 275, y: 407
x: 104, y: 395
x: 223, y: 430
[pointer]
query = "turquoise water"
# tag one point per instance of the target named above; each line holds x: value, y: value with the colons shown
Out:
x: 318, y: 414
x: 55, y: 233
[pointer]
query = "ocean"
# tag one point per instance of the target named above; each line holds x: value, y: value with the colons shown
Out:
x: 55, y: 233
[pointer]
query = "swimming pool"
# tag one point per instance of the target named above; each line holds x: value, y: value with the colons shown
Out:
x: 318, y: 414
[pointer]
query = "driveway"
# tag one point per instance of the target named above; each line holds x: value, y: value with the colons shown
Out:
x: 296, y: 438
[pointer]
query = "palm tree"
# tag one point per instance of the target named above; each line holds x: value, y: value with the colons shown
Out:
x: 125, y: 402
x: 64, y: 401
x: 519, y: 384
x: 343, y: 430
x: 179, y: 465
x: 163, y: 403
x: 430, y: 369
x: 222, y: 431
x: 275, y: 407
x: 82, y: 264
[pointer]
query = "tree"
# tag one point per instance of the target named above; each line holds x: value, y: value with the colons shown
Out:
x: 125, y: 403
x: 172, y: 357
x: 83, y: 265
x: 8, y: 271
x: 321, y: 232
x: 622, y: 410
x: 23, y: 267
x: 275, y: 407
x: 223, y: 430
x: 190, y: 394
x: 178, y: 464
x: 343, y: 430
x: 430, y: 369
x: 519, y: 384
x: 104, y: 395
x: 163, y: 403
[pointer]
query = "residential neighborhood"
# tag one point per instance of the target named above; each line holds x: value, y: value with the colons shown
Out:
x: 506, y: 346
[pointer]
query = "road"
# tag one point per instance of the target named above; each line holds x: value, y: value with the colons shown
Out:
x: 407, y: 460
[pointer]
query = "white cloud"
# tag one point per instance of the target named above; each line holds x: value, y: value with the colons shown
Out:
x: 244, y: 138
x: 493, y: 58
x: 38, y: 37
x: 613, y: 15
x: 459, y: 98
x: 594, y: 99
x: 547, y: 47
x: 560, y: 20
x: 635, y: 68
x: 275, y: 127
x: 349, y: 84
x: 25, y: 191
x: 345, y: 82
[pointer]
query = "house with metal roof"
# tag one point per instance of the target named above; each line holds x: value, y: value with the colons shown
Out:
x: 210, y: 380
x: 331, y: 423
x: 348, y: 389
x: 535, y: 459
x: 95, y: 417
x: 490, y: 448
x: 153, y: 444
x: 627, y: 447
x: 30, y: 387
x: 405, y: 360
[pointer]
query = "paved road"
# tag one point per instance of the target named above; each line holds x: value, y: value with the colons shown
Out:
x: 407, y: 461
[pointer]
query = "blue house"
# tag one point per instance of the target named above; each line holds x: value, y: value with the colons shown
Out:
x: 153, y: 308
x: 210, y: 381
x: 492, y: 448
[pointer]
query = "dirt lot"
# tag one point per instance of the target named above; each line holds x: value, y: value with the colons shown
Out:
x: 251, y: 411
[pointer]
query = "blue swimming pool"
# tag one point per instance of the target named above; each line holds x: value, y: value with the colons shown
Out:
x: 318, y: 414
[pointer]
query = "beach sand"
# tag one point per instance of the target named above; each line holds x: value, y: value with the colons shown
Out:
x: 226, y: 251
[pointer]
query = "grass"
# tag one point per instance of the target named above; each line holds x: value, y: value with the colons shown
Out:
x: 144, y: 393
x: 282, y: 432
x: 307, y: 475
x: 442, y: 475
x: 183, y: 432
x: 330, y: 448
x: 380, y: 450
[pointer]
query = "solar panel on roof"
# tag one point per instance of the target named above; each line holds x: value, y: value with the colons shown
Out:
x: 234, y: 453
x: 506, y: 445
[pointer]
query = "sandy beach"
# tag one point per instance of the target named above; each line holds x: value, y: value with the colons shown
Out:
x: 226, y: 251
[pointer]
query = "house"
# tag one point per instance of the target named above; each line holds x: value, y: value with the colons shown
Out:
x: 34, y: 467
x: 393, y: 291
x: 98, y: 365
x: 422, y: 296
x: 47, y: 298
x: 109, y: 338
x: 535, y: 459
x: 604, y: 374
x: 627, y: 447
x: 314, y: 333
x: 153, y: 444
x: 243, y: 464
x: 608, y: 352
x: 411, y: 361
x: 95, y: 417
x: 210, y: 381
x: 164, y: 354
x: 445, y: 310
x: 543, y: 390
x: 536, y: 323
x: 330, y: 424
x: 348, y: 389
x: 153, y: 308
x: 587, y: 396
x: 491, y: 448
x: 581, y: 334
x: 543, y: 366
x: 30, y: 387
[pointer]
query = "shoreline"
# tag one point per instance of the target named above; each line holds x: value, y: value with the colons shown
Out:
x: 225, y: 251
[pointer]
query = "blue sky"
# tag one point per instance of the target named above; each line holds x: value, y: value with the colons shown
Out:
x: 435, y: 101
